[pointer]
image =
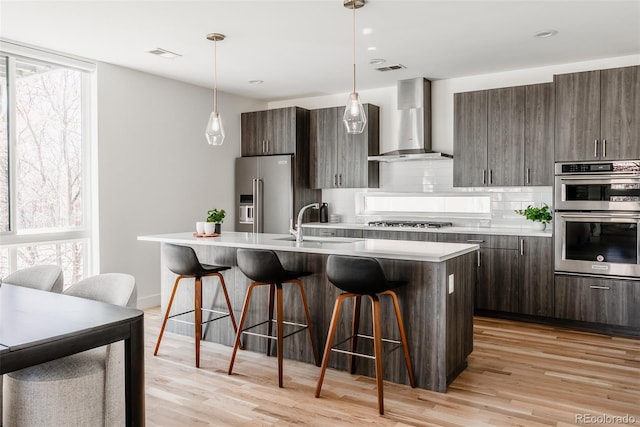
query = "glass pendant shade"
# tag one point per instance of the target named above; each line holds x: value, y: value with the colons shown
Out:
x: 354, y: 118
x: 215, y: 131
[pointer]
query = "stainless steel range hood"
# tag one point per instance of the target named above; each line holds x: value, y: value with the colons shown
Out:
x: 413, y: 140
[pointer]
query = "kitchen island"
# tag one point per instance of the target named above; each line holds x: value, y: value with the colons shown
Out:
x: 436, y: 303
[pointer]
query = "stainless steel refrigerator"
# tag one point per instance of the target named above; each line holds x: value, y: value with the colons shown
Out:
x: 264, y: 194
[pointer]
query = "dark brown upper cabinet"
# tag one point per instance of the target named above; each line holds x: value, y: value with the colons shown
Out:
x: 339, y: 159
x: 505, y: 141
x: 504, y: 137
x: 275, y: 131
x: 470, y: 139
x: 598, y: 115
x: 539, y: 119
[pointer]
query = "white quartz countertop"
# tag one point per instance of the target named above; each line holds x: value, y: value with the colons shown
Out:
x: 502, y: 231
x: 389, y: 249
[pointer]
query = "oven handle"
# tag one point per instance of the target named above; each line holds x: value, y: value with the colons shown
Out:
x: 598, y: 177
x: 595, y: 215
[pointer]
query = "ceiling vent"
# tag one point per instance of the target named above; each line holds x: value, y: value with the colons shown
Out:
x: 163, y: 53
x: 391, y: 67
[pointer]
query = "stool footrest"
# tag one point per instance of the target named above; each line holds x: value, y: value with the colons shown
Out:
x: 301, y: 326
x: 368, y: 356
x: 180, y: 314
x: 383, y: 339
x: 224, y: 314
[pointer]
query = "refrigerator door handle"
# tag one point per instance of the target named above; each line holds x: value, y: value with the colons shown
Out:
x: 258, y: 206
x: 254, y: 223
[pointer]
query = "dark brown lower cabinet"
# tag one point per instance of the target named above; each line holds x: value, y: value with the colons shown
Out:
x: 536, y: 276
x: 514, y: 274
x: 590, y: 299
x: 497, y: 285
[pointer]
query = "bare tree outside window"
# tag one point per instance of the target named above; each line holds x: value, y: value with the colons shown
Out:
x: 48, y: 148
x: 48, y: 164
x: 4, y: 147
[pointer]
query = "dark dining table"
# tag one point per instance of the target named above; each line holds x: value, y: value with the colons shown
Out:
x: 38, y: 326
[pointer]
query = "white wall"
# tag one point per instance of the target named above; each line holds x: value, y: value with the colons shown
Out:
x: 156, y: 172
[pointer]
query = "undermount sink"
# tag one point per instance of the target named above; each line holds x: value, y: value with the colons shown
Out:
x: 318, y: 239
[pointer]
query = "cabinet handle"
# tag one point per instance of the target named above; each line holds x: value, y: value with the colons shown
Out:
x: 339, y: 180
x: 490, y: 176
x: 528, y: 176
x: 606, y: 288
x: 479, y: 259
x: 604, y: 148
x: 521, y: 246
x: 264, y: 146
x: 268, y: 146
x: 475, y: 241
x: 335, y: 180
x: 484, y: 177
x: 595, y: 148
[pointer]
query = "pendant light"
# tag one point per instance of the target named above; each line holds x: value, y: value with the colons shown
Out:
x: 215, y: 131
x: 354, y: 117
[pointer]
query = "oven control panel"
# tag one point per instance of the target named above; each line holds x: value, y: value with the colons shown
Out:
x: 626, y: 167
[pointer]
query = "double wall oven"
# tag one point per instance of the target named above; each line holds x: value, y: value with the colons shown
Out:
x: 597, y: 217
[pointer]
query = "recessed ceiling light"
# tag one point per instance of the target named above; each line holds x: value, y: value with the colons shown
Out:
x: 372, y: 48
x: 367, y: 31
x: 377, y: 61
x: 545, y: 34
x: 163, y: 53
x: 256, y: 82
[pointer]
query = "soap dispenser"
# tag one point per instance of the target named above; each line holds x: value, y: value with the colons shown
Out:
x: 324, y: 212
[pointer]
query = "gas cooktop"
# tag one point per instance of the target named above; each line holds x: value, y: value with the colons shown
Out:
x: 413, y: 224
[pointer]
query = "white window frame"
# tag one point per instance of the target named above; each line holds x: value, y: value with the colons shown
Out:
x: 13, y: 239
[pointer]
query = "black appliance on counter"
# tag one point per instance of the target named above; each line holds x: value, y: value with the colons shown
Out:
x: 597, y: 216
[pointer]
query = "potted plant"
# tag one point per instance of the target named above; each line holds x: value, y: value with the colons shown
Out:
x: 540, y: 216
x: 217, y: 217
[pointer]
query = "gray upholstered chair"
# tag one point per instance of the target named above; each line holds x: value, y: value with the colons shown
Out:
x: 85, y: 389
x: 43, y: 277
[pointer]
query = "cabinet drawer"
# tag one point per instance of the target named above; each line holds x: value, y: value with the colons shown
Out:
x: 484, y: 241
x: 607, y: 301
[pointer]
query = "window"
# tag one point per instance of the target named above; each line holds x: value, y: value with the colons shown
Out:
x: 44, y: 165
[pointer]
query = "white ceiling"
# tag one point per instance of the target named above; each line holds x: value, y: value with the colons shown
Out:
x: 303, y: 47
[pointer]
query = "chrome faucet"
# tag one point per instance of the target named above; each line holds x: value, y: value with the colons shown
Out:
x: 297, y: 232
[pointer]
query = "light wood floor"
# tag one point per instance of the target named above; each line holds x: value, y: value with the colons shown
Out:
x: 519, y: 374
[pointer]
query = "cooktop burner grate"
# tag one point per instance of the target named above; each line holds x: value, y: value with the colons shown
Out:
x: 413, y: 224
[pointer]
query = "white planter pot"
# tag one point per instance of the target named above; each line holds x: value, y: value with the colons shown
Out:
x: 540, y: 226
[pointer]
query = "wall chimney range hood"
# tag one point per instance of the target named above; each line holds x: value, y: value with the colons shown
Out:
x: 413, y: 141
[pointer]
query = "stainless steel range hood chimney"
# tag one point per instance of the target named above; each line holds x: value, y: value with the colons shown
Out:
x: 413, y: 139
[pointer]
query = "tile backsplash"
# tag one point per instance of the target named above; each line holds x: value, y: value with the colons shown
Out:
x: 435, y: 177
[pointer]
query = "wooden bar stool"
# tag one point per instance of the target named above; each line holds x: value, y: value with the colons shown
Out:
x: 182, y: 260
x: 265, y: 269
x: 359, y: 277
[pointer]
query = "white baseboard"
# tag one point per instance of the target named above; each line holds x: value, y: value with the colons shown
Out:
x: 149, y: 301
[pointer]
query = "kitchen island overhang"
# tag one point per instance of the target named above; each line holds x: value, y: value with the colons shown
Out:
x: 436, y: 303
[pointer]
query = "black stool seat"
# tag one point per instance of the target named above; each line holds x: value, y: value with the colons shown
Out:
x: 209, y: 268
x: 264, y: 268
x: 359, y: 277
x: 183, y: 261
